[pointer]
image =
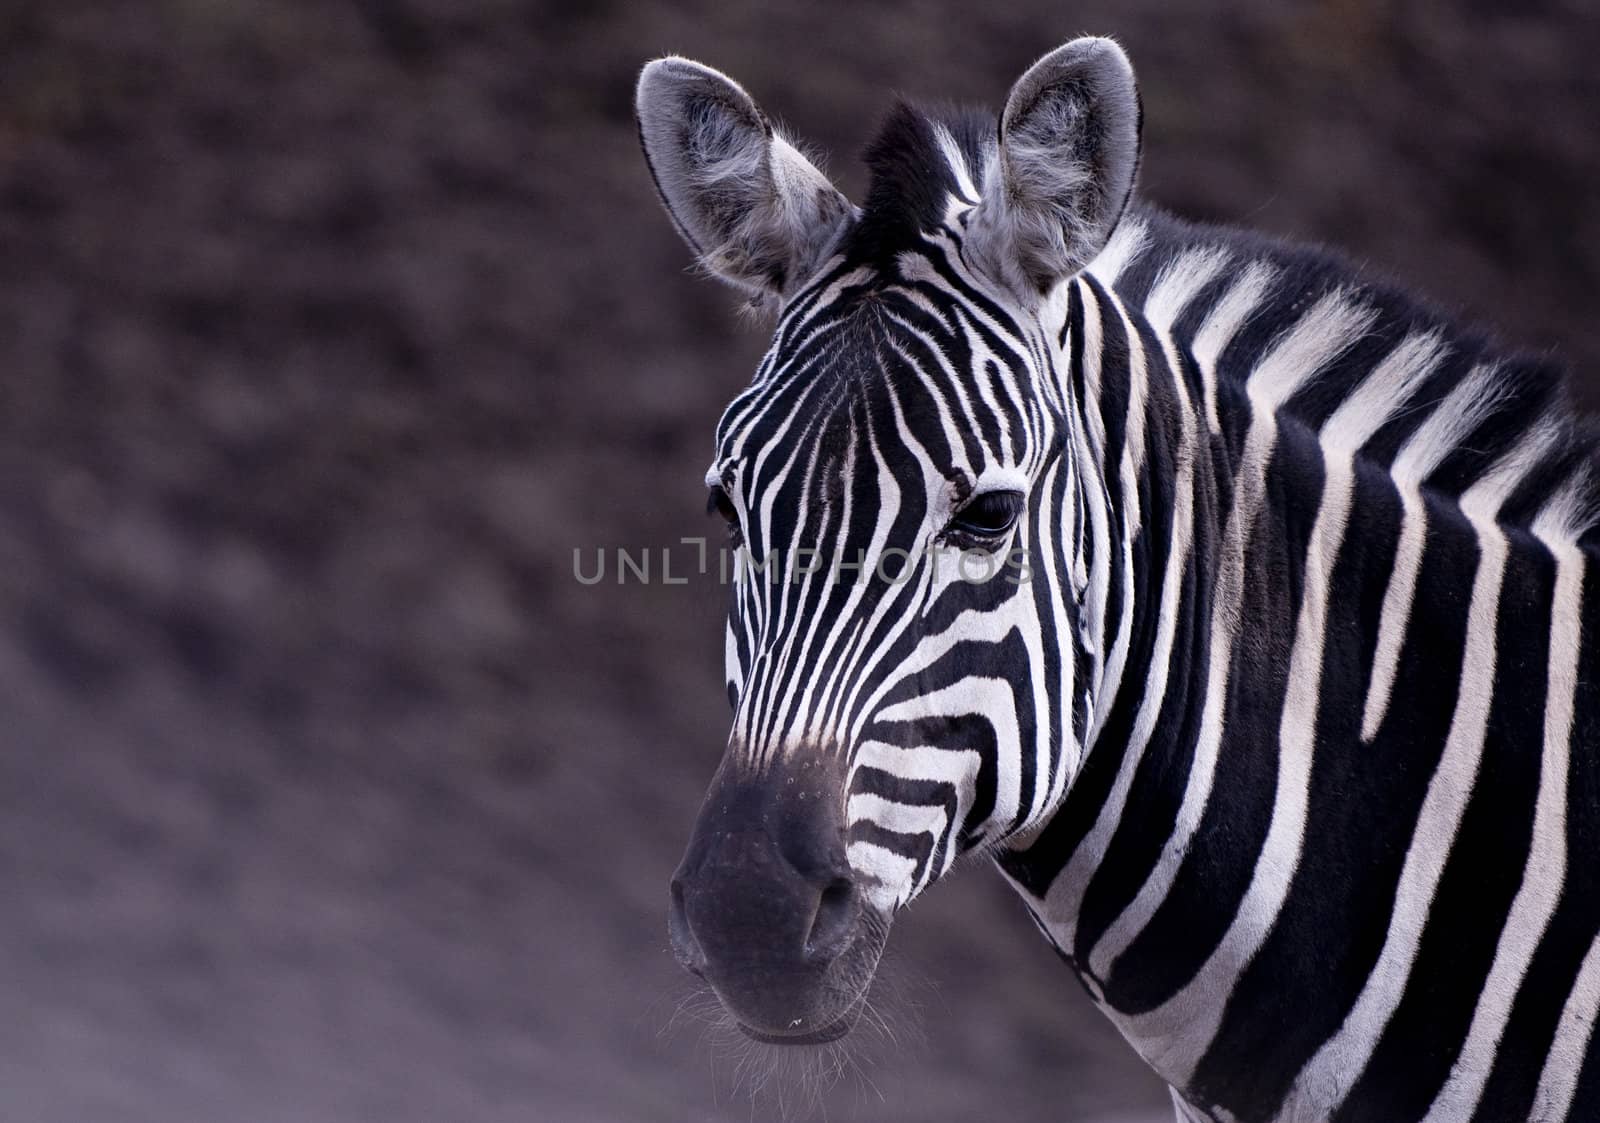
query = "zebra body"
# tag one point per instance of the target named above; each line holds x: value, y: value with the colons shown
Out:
x: 1288, y: 742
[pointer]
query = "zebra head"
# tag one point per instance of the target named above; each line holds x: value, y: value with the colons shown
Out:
x: 908, y: 650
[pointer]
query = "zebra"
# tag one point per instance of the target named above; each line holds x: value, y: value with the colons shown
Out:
x: 1279, y: 707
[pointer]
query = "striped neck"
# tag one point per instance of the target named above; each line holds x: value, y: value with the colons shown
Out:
x: 1312, y: 507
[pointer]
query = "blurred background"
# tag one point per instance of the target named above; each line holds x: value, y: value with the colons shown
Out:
x: 329, y: 329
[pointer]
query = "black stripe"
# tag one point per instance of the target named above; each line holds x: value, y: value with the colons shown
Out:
x: 1311, y: 967
x: 1425, y: 1035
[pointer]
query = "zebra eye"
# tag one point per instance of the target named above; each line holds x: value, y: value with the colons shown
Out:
x: 718, y: 503
x: 990, y: 515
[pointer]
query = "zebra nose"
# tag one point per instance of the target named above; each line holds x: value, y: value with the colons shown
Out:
x: 764, y: 905
x: 743, y: 898
x: 684, y: 946
x: 765, y: 934
x: 834, y: 925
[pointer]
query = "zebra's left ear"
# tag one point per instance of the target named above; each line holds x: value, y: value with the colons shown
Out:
x: 755, y: 211
x: 1064, y: 168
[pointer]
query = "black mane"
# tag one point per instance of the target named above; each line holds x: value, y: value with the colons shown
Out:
x: 910, y: 177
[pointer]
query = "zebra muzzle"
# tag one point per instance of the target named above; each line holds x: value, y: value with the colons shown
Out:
x: 766, y: 909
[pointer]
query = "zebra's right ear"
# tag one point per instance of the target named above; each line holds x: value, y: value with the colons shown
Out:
x: 755, y: 211
x: 1063, y: 171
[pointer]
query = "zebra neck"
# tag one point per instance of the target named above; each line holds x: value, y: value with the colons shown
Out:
x: 1327, y: 769
x: 1146, y: 508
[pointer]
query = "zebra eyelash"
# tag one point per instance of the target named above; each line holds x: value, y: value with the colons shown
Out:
x: 986, y: 519
x: 719, y: 503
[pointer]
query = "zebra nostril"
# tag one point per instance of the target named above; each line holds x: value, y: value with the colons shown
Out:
x: 834, y: 925
x: 684, y: 946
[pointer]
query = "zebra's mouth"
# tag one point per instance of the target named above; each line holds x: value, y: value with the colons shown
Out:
x: 831, y: 1032
x: 798, y: 1033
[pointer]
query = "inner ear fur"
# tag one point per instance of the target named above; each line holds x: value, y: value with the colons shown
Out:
x: 1064, y: 168
x: 754, y: 210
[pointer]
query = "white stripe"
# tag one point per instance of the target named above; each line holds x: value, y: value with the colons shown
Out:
x: 828, y: 661
x: 1223, y: 324
x: 758, y: 704
x: 800, y: 639
x: 958, y: 167
x: 1451, y: 422
x: 1065, y: 896
x: 1068, y: 753
x: 956, y: 767
x: 730, y: 660
x: 1180, y: 279
x: 1125, y: 244
x: 1091, y: 462
x: 898, y: 818
x: 955, y: 421
x: 885, y: 873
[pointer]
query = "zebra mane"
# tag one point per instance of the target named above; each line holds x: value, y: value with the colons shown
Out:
x: 923, y: 160
x: 919, y: 160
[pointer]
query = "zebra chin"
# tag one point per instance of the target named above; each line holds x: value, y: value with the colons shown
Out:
x: 766, y: 908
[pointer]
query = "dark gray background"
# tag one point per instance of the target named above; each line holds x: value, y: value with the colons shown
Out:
x: 329, y: 329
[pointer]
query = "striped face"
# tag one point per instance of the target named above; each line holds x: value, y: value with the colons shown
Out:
x: 904, y: 480
x: 900, y: 487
